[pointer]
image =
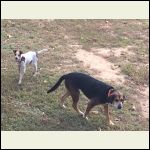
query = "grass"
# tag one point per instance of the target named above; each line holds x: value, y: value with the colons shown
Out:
x: 140, y: 75
x: 29, y: 107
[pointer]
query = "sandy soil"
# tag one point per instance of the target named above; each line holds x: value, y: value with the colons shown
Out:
x: 107, y: 71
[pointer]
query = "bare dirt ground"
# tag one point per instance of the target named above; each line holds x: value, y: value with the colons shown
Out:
x: 96, y: 62
x: 114, y: 51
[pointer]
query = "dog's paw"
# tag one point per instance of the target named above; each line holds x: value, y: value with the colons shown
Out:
x: 111, y: 123
x: 63, y: 106
x: 86, y: 118
x: 19, y: 83
x: 35, y: 74
x: 83, y: 115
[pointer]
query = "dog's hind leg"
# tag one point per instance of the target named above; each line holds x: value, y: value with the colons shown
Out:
x: 35, y: 66
x: 75, y: 98
x: 64, y: 98
x: 74, y: 94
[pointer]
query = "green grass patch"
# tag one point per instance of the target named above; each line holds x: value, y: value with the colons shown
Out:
x: 29, y: 108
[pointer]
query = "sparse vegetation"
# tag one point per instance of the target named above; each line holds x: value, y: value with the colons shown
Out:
x: 139, y: 74
x: 29, y: 107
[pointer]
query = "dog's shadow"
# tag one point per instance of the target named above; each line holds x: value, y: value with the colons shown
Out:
x: 72, y: 121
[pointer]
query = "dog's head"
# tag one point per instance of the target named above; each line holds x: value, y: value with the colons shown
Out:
x: 17, y: 54
x: 116, y: 98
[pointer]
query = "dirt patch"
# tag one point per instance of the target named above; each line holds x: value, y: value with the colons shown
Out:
x: 143, y: 98
x: 117, y: 52
x: 28, y: 107
x: 106, y: 70
x: 100, y: 66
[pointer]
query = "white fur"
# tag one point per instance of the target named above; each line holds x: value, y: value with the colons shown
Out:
x: 116, y: 104
x: 111, y: 123
x: 83, y: 114
x: 30, y: 58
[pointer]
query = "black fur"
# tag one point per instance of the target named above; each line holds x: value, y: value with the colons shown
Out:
x: 90, y: 86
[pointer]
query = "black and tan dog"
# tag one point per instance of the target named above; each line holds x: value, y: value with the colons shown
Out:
x: 96, y: 91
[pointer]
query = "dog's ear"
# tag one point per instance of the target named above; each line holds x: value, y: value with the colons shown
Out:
x: 20, y: 52
x: 14, y: 51
x: 111, y: 98
x: 112, y: 90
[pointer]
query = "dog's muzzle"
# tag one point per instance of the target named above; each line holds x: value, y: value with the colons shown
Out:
x: 17, y: 59
x: 118, y: 105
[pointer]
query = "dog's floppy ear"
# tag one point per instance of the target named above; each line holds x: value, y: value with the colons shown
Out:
x: 111, y: 98
x: 14, y: 51
x: 20, y: 52
x: 110, y: 92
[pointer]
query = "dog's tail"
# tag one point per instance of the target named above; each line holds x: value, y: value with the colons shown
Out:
x: 57, y: 84
x: 41, y: 51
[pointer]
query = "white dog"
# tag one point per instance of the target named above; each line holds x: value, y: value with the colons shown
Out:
x: 23, y: 59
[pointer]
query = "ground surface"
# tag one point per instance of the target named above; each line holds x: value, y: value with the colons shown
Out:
x: 115, y: 51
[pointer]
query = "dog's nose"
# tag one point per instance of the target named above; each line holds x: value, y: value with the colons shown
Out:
x: 119, y: 106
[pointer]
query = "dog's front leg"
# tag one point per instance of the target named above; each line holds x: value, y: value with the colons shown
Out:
x: 19, y: 68
x: 93, y: 102
x: 89, y: 107
x: 106, y: 109
x: 20, y: 77
x: 21, y: 72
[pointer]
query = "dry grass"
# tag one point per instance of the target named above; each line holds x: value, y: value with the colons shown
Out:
x: 29, y: 107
